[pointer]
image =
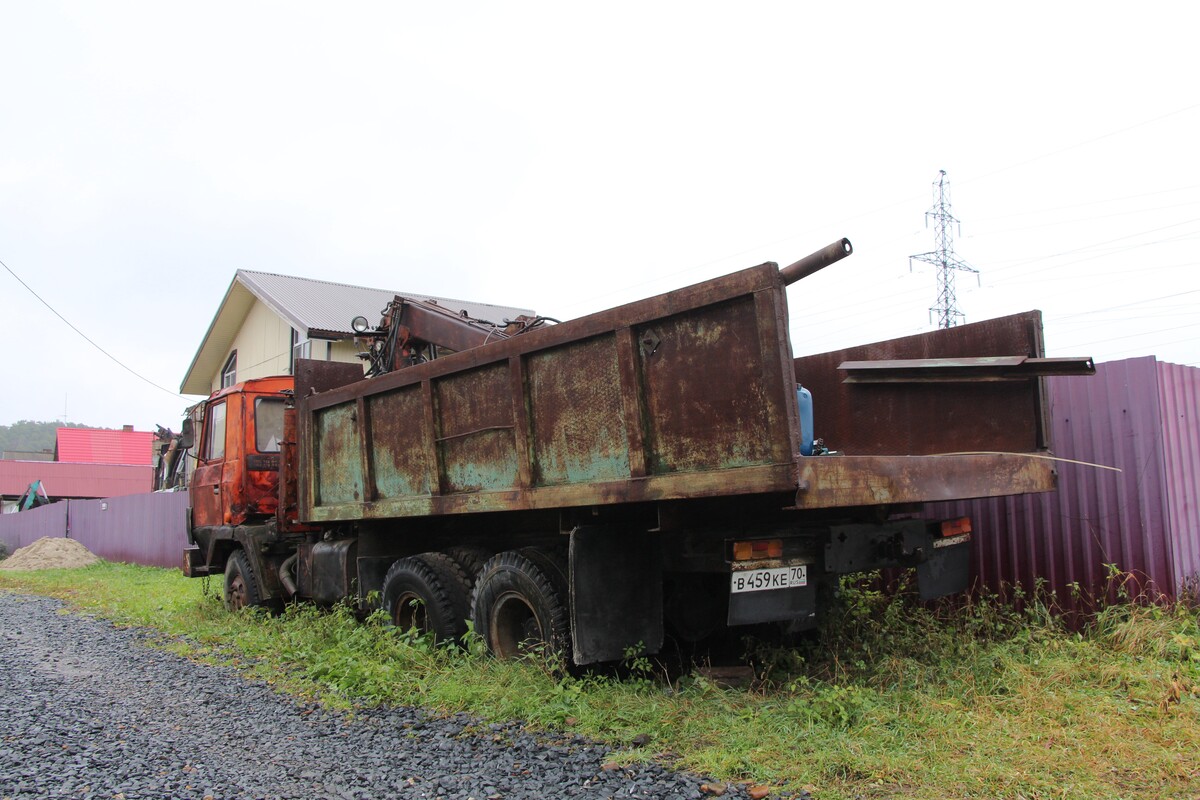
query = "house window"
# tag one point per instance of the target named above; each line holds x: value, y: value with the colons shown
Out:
x: 301, y: 348
x: 229, y: 371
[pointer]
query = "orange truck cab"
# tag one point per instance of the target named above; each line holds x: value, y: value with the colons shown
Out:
x: 237, y: 469
x: 238, y: 460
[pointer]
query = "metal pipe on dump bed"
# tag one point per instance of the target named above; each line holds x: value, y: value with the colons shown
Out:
x: 816, y: 261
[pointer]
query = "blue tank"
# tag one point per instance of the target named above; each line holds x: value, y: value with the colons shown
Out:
x: 806, y: 420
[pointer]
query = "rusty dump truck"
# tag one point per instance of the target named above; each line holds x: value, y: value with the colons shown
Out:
x: 650, y: 471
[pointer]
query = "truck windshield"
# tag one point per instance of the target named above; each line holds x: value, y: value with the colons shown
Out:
x: 268, y: 424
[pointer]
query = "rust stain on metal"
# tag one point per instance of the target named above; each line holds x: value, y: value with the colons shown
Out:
x: 834, y: 481
x: 958, y: 370
x: 922, y: 419
x: 578, y: 429
x: 705, y: 391
x: 477, y: 444
x: 338, y: 460
x: 397, y: 447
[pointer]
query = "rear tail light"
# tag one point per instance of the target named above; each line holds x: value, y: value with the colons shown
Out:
x: 758, y: 548
x: 956, y: 527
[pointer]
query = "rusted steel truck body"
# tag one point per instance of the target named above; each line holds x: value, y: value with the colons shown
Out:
x: 638, y: 473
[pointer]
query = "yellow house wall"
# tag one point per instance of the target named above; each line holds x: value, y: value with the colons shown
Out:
x: 346, y: 350
x: 264, y: 344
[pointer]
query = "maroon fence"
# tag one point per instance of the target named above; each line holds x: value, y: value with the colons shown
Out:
x: 1139, y: 416
x: 1179, y: 396
x: 148, y: 529
x: 18, y: 530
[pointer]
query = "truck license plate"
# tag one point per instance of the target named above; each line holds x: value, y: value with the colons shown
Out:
x: 757, y: 580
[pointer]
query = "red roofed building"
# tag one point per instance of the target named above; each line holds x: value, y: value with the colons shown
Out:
x: 74, y: 481
x: 89, y: 464
x: 87, y: 446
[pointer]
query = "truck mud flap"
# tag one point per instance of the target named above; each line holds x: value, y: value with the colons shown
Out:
x: 947, y: 570
x: 797, y: 604
x: 616, y: 593
x: 942, y: 564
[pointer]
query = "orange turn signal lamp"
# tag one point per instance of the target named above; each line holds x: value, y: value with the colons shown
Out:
x: 956, y: 527
x: 759, y: 548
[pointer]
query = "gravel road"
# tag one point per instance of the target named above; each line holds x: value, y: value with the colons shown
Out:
x: 88, y: 710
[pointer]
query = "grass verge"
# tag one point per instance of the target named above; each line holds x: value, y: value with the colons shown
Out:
x: 903, y: 701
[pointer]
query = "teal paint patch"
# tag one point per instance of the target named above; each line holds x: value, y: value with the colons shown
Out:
x: 339, y: 477
x: 398, y: 443
x: 481, y: 461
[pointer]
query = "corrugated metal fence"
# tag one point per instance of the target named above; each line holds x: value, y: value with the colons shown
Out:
x: 18, y: 530
x: 148, y: 529
x: 1179, y: 392
x: 1137, y: 415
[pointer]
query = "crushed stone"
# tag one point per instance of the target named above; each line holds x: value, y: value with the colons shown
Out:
x: 92, y: 711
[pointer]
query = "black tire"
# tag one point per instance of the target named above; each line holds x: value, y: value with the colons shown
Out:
x: 242, y: 589
x: 520, y: 603
x: 427, y: 592
x: 471, y: 559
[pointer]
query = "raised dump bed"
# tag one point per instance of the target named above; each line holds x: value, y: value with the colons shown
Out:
x: 690, y: 394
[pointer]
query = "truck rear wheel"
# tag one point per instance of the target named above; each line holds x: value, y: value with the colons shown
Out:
x: 471, y: 559
x: 241, y: 587
x: 427, y: 592
x: 520, y: 603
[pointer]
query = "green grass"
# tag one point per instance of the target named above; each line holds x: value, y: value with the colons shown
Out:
x: 897, y: 701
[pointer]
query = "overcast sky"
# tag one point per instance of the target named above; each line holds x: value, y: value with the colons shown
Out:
x: 570, y: 157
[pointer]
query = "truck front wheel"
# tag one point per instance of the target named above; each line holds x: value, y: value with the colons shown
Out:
x: 519, y: 605
x: 429, y: 593
x: 241, y: 587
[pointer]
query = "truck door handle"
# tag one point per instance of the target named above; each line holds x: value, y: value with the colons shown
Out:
x: 216, y: 488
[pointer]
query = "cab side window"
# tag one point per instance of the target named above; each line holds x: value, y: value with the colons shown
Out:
x: 268, y: 424
x: 214, y: 440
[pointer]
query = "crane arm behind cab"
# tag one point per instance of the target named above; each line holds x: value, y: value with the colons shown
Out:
x: 414, y: 331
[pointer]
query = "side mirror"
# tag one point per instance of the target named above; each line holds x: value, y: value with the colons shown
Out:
x: 187, y: 436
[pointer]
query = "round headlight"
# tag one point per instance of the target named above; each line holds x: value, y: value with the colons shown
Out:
x: 360, y: 325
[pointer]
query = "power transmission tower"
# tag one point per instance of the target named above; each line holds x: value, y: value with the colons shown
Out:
x: 943, y: 257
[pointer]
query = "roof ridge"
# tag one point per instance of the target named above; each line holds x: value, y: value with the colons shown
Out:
x: 376, y: 289
x: 311, y: 280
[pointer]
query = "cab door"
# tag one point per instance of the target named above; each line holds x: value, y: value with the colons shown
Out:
x: 208, y: 507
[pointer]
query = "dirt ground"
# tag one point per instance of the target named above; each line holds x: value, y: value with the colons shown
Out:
x: 50, y: 553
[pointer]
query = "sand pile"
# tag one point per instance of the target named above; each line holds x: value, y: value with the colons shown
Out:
x: 50, y: 553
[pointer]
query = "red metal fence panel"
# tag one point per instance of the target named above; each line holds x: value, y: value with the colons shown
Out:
x: 148, y: 529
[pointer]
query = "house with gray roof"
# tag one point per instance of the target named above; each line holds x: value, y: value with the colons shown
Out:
x: 266, y: 321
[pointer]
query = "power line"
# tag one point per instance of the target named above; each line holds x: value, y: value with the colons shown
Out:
x: 1095, y: 245
x: 1127, y: 305
x: 1093, y: 140
x: 1091, y: 203
x: 1081, y: 220
x: 86, y: 338
x: 1155, y: 332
